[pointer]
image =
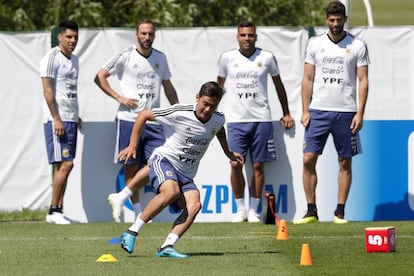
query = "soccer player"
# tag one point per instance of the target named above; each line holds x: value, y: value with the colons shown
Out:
x: 59, y: 70
x: 174, y: 164
x: 244, y: 71
x: 141, y: 70
x: 331, y: 105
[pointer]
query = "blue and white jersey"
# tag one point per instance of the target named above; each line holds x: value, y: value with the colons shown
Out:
x: 140, y: 78
x: 335, y: 81
x: 246, y: 84
x: 187, y: 138
x: 64, y: 71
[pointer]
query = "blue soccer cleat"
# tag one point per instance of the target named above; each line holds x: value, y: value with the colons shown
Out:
x: 170, y: 252
x: 128, y: 241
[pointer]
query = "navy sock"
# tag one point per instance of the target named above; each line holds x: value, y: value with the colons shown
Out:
x: 312, y: 210
x: 54, y: 208
x: 340, y: 210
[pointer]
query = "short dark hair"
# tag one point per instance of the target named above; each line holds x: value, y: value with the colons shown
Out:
x: 246, y: 24
x: 68, y: 24
x: 211, y: 89
x: 335, y: 7
x: 145, y: 21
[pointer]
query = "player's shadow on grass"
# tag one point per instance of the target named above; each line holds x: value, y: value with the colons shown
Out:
x: 213, y: 254
x: 205, y: 254
x: 230, y: 253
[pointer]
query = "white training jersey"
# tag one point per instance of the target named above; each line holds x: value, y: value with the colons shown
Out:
x: 187, y: 138
x: 334, y: 87
x: 139, y: 78
x: 64, y: 72
x: 246, y: 84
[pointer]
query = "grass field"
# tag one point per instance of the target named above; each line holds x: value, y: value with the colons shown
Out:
x: 385, y: 12
x: 36, y: 248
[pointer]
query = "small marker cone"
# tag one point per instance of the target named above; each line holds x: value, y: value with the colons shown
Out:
x: 106, y: 258
x: 115, y: 241
x: 305, y: 257
x: 282, y: 231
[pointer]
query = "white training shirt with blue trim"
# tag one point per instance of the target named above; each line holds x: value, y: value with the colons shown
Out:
x: 187, y: 138
x: 140, y: 78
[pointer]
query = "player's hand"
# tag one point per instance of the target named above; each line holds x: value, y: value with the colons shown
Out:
x: 238, y: 158
x: 128, y: 102
x: 287, y: 121
x: 58, y: 127
x: 356, y: 123
x: 127, y: 153
x: 305, y: 120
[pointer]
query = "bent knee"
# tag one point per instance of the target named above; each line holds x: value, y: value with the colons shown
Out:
x: 194, y: 208
x: 257, y: 166
x: 236, y: 165
x: 65, y: 166
x: 309, y: 159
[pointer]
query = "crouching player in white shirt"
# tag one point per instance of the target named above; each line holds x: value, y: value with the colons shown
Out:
x: 174, y: 164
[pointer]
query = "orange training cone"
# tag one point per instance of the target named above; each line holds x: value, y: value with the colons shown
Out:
x: 305, y: 257
x: 282, y: 231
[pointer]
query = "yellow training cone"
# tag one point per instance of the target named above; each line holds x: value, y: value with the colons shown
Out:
x: 105, y: 258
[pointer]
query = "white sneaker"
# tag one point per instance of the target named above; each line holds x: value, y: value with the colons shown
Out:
x: 57, y: 218
x: 253, y: 216
x: 240, y: 216
x: 116, y: 205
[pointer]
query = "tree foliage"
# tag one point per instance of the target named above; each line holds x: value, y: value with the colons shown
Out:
x: 31, y: 15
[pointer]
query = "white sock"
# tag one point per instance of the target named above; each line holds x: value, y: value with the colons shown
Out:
x: 171, y: 239
x: 137, y: 208
x: 125, y: 193
x: 137, y: 225
x: 254, y: 203
x: 240, y: 204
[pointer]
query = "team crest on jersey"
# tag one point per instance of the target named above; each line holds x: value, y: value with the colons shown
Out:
x: 259, y: 64
x: 157, y: 66
x: 347, y: 50
x: 168, y: 173
x: 65, y: 153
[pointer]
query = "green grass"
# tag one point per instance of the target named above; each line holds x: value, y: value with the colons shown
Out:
x: 36, y: 248
x: 24, y: 215
x: 385, y: 12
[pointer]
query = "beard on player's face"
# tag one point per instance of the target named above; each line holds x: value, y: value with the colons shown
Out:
x: 336, y: 30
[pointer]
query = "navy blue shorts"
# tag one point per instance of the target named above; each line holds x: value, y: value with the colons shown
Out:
x: 323, y: 123
x: 162, y: 170
x: 61, y: 148
x: 256, y: 137
x: 151, y: 137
